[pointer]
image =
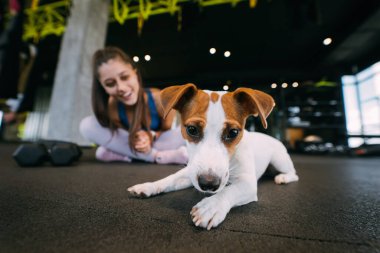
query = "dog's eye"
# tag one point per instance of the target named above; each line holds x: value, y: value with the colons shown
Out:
x: 192, y: 131
x: 231, y: 134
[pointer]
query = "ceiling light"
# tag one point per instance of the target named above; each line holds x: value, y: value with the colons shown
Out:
x: 227, y: 54
x: 274, y: 85
x: 147, y: 57
x: 295, y: 84
x: 212, y: 50
x: 284, y: 85
x: 136, y: 58
x: 327, y: 41
x: 225, y: 87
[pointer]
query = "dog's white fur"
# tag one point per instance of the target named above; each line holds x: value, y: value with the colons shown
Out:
x: 233, y: 167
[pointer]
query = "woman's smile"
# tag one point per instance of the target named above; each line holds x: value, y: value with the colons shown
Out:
x: 120, y: 80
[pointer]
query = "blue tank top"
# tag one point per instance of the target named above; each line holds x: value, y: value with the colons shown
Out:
x: 154, y: 117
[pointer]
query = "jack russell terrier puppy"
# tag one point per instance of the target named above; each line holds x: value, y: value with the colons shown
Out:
x: 224, y: 159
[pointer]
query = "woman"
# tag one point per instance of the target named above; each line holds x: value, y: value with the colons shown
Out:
x: 128, y: 121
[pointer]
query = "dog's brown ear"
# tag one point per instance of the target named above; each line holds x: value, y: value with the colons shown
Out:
x: 174, y: 97
x: 255, y: 103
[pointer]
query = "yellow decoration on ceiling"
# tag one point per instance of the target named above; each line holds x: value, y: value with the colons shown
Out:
x: 140, y: 24
x: 44, y: 20
x: 34, y: 4
x: 205, y: 3
x: 252, y: 3
x: 50, y: 19
x: 135, y: 9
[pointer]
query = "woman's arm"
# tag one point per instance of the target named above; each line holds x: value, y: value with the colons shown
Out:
x: 144, y: 140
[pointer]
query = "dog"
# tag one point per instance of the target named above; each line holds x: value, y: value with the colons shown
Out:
x: 225, y: 160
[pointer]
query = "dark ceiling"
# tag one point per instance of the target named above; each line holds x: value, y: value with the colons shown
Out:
x: 278, y: 40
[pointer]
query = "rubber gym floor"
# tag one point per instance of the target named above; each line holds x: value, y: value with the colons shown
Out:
x: 335, y: 207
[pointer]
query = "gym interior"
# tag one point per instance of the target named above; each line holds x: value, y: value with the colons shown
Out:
x: 318, y: 59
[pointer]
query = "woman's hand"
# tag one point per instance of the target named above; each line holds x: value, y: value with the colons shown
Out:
x: 143, y: 142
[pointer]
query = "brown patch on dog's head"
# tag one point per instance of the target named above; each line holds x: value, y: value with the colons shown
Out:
x: 235, y: 121
x: 214, y: 97
x: 175, y: 97
x: 192, y: 104
x: 238, y: 105
x: 231, y: 135
x: 241, y: 103
x: 193, y: 114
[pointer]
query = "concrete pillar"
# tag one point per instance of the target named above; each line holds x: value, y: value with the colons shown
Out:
x: 71, y: 97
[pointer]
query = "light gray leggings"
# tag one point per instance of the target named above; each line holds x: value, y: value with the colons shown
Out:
x: 118, y: 141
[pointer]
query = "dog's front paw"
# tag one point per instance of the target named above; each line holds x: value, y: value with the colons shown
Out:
x: 143, y: 190
x: 285, y: 178
x: 210, y: 212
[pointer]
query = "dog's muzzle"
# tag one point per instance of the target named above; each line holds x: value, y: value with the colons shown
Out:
x: 209, y: 183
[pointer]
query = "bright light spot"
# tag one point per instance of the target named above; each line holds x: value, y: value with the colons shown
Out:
x: 225, y: 87
x: 227, y: 54
x: 136, y: 58
x: 273, y: 86
x: 212, y: 50
x: 295, y: 84
x: 327, y: 41
x: 147, y: 57
x: 284, y: 85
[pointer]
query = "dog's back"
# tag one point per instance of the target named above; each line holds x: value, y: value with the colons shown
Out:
x: 264, y: 150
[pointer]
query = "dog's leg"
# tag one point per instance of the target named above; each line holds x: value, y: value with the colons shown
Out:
x: 174, y: 182
x: 211, y: 211
x: 282, y: 163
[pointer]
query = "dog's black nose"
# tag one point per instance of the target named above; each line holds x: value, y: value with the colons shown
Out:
x: 208, y: 182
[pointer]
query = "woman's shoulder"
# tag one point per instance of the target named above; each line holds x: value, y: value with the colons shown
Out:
x: 155, y: 93
x: 157, y: 99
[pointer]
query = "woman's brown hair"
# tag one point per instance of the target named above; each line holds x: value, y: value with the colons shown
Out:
x: 105, y: 108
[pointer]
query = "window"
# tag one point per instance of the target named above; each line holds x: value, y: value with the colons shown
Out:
x: 362, y: 106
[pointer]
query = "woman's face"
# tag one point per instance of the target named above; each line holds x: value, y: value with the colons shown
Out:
x: 119, y: 80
